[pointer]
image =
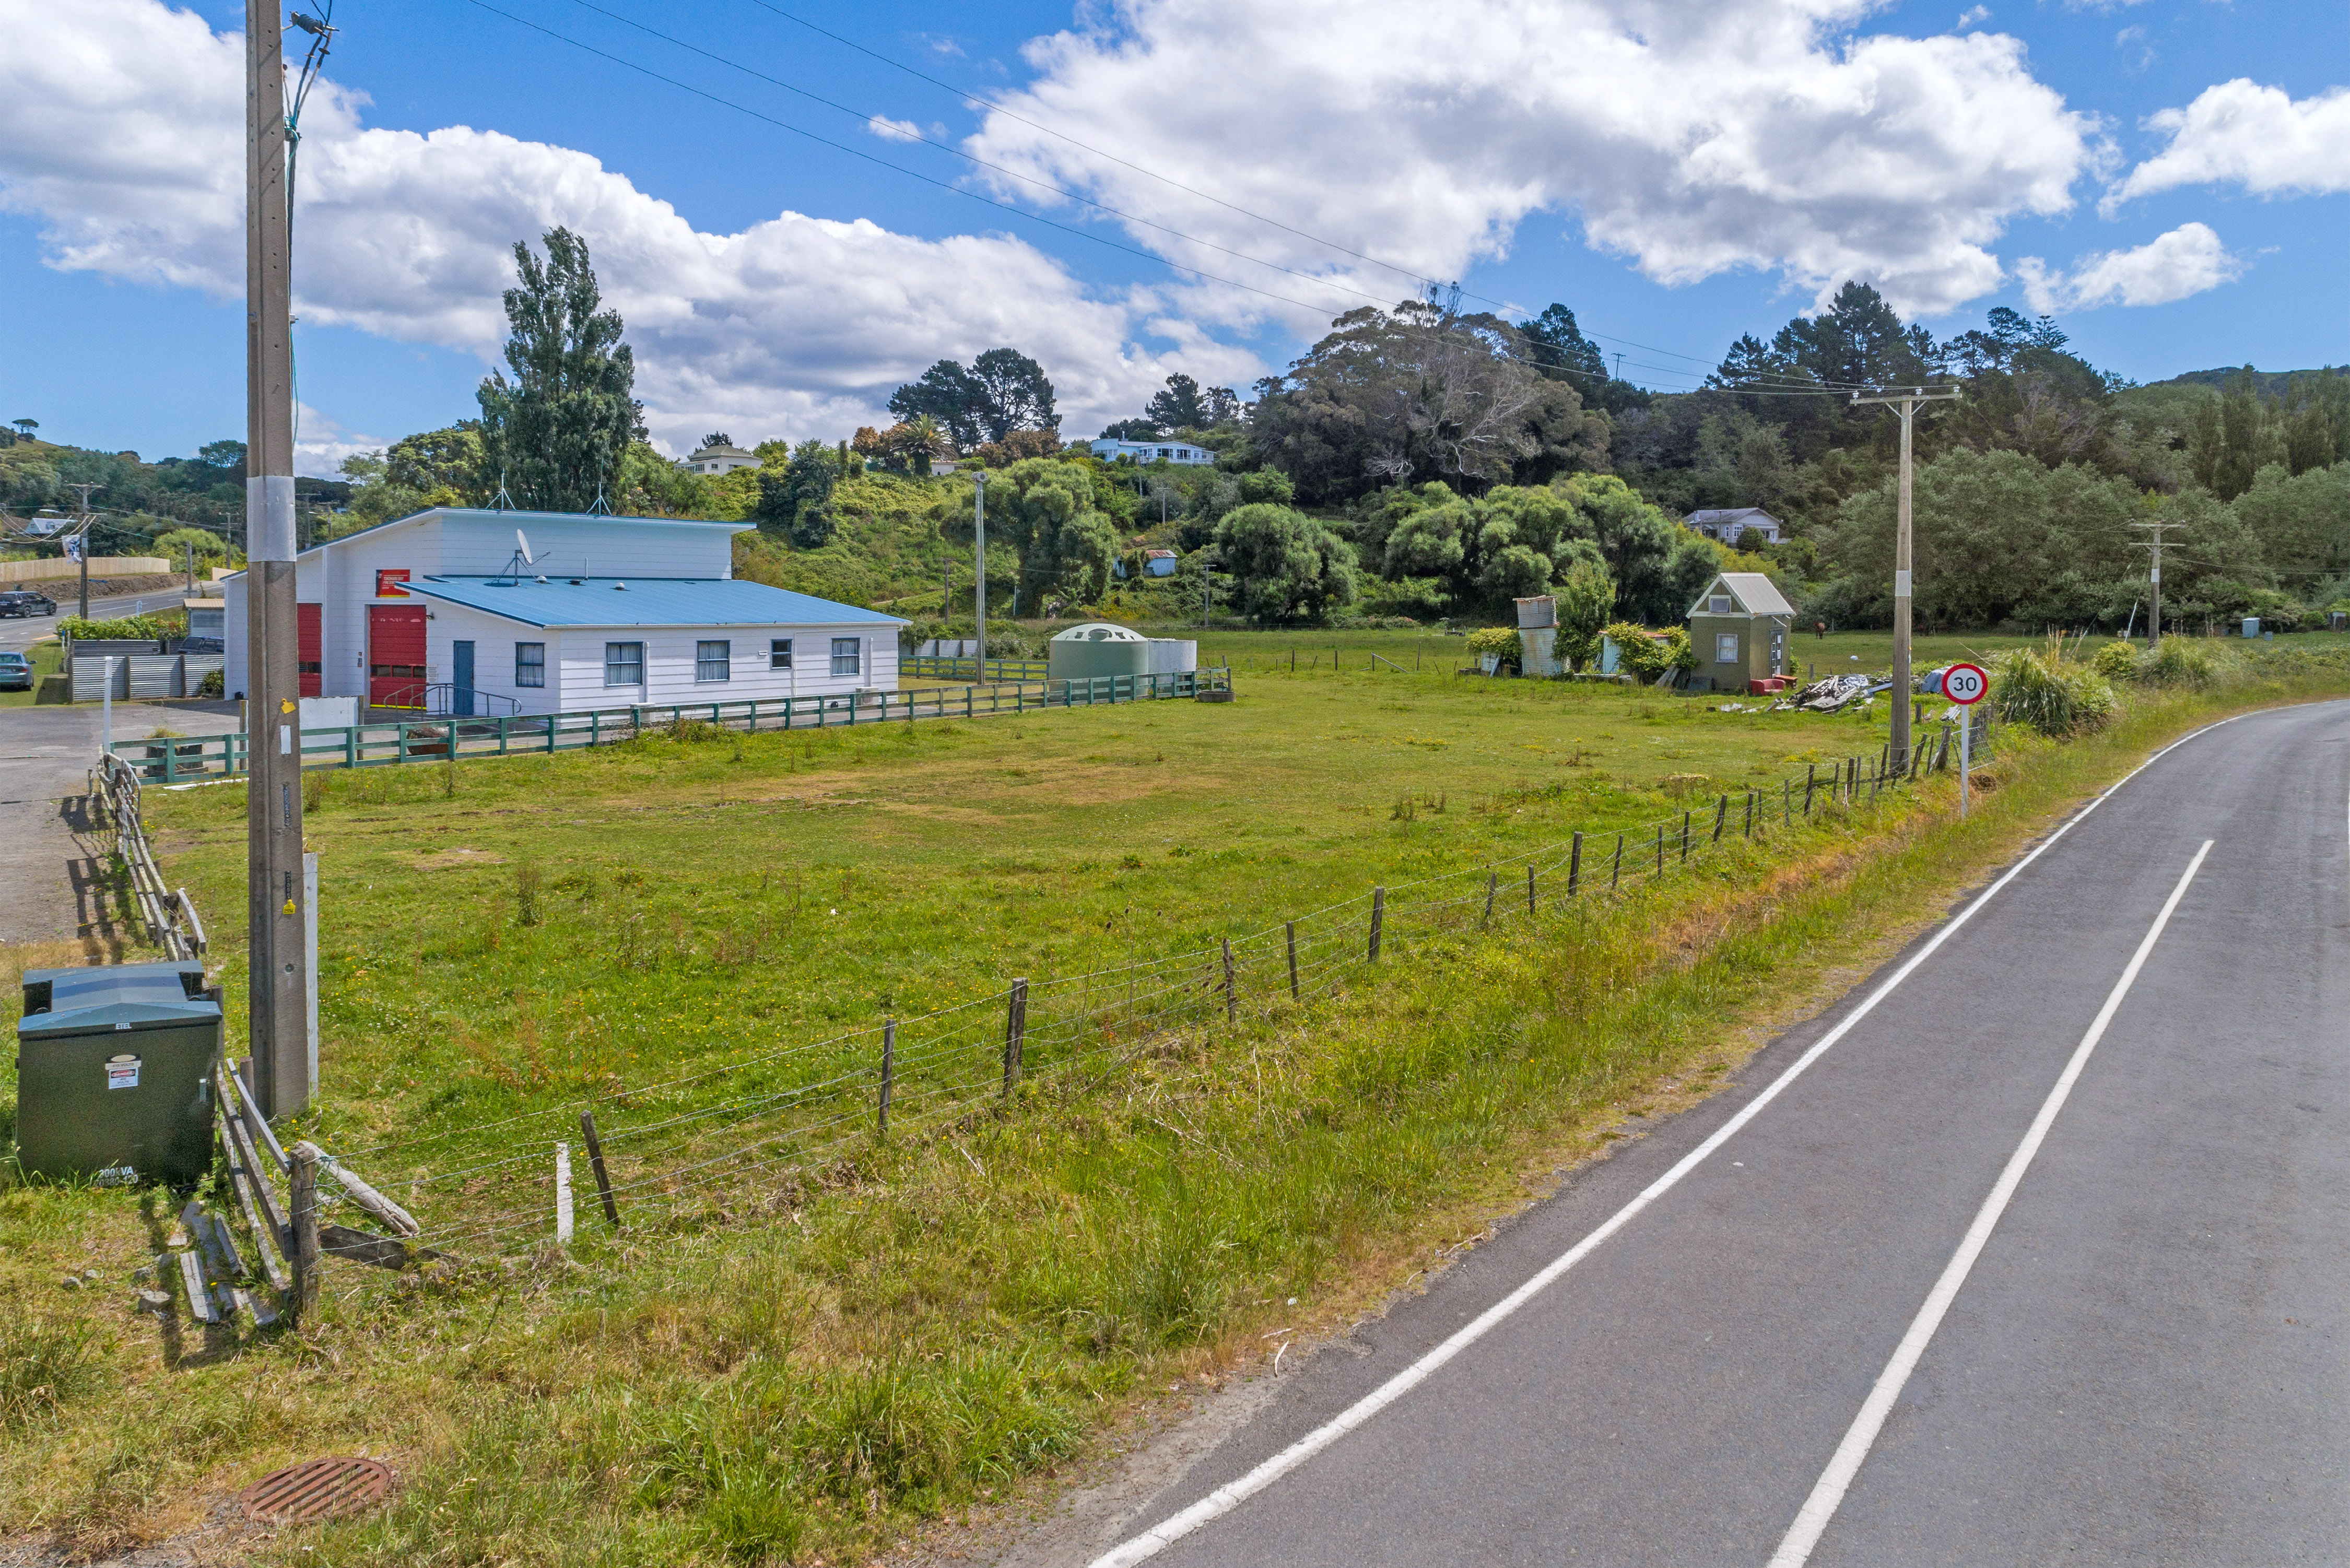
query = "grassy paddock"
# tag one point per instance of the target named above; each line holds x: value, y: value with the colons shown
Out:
x: 933, y: 1323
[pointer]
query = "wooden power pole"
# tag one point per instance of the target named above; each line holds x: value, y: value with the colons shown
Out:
x: 979, y: 565
x: 278, y: 1006
x: 2154, y: 542
x: 1903, y: 400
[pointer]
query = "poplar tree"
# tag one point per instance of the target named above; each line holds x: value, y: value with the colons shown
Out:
x: 555, y: 434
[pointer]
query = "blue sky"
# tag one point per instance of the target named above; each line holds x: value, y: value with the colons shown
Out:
x: 124, y: 348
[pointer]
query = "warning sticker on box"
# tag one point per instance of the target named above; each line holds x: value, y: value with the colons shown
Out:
x: 122, y: 1073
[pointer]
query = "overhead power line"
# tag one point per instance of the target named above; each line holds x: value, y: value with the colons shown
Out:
x: 1791, y: 387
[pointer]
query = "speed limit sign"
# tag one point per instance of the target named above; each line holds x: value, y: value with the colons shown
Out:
x: 1965, y: 683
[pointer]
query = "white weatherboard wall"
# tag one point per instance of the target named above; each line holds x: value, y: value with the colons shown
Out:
x: 339, y: 576
x: 575, y: 662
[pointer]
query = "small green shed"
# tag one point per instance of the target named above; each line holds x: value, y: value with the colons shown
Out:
x: 1739, y: 629
x: 1097, y: 649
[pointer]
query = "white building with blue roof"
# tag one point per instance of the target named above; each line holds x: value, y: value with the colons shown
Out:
x: 441, y: 613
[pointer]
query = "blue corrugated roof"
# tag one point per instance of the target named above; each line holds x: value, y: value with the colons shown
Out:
x: 646, y: 601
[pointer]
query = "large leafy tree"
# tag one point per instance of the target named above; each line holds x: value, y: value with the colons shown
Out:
x: 1512, y: 543
x: 1290, y: 567
x: 1001, y: 391
x: 1047, y: 512
x: 797, y: 501
x: 555, y: 435
x: 1422, y: 392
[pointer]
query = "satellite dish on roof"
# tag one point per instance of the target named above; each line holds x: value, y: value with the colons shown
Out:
x: 522, y: 547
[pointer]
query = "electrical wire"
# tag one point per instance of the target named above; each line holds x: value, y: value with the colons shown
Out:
x: 1790, y: 388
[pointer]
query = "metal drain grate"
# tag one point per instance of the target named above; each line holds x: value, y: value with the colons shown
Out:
x: 317, y: 1489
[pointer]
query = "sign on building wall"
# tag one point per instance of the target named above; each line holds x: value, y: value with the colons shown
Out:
x: 388, y: 580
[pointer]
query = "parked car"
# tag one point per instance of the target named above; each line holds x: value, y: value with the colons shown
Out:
x: 15, y: 673
x: 24, y: 602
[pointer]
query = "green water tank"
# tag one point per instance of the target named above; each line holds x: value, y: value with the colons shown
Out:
x: 1097, y: 649
x: 114, y: 1073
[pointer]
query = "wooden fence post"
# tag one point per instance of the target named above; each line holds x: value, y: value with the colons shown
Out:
x: 563, y: 1214
x: 889, y: 1071
x: 596, y: 1163
x: 1811, y: 771
x: 302, y: 1177
x: 1378, y: 918
x: 1616, y: 871
x: 1660, y: 849
x: 1015, y: 1029
x: 1721, y: 816
x: 1575, y: 866
x: 1293, y: 961
x: 1685, y: 828
x: 1750, y: 811
x: 1232, y: 995
x: 1530, y: 890
x: 1492, y: 886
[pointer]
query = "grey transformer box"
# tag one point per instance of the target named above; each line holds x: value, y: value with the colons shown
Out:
x: 114, y: 1073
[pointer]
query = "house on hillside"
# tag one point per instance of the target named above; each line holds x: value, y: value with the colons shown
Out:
x: 1728, y: 524
x: 721, y: 456
x: 441, y: 614
x: 1175, y: 452
x: 1738, y: 628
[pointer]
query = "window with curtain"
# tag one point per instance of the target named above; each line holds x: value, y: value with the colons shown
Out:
x: 779, y: 653
x: 624, y: 664
x: 844, y: 656
x: 713, y: 660
x: 530, y: 664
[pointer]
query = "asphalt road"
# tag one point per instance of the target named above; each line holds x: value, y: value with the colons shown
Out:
x: 52, y: 858
x: 2145, y: 1364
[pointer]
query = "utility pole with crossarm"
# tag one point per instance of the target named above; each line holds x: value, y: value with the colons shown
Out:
x: 2153, y: 544
x: 1903, y: 400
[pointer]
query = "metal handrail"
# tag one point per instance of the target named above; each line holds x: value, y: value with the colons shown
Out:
x: 440, y: 702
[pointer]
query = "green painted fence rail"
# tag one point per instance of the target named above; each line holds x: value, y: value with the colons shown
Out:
x: 940, y: 667
x: 190, y: 759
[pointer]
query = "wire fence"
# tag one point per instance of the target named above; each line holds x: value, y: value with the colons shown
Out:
x: 772, y: 1125
x: 775, y: 1126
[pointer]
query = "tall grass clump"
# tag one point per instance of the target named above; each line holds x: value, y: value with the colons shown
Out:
x: 44, y: 1366
x: 2180, y: 662
x: 2117, y: 661
x: 2046, y: 692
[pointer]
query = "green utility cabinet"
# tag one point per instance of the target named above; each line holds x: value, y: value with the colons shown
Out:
x: 114, y: 1073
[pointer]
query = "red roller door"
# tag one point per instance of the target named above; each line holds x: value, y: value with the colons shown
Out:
x: 309, y: 662
x: 396, y: 656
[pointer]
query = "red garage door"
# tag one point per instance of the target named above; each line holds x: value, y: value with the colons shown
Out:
x: 396, y: 656
x: 309, y: 661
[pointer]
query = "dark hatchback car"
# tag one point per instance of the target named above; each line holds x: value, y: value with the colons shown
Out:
x: 24, y: 602
x: 15, y: 673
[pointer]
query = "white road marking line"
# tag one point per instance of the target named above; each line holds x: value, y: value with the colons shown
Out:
x: 1811, y: 1522
x: 1231, y: 1494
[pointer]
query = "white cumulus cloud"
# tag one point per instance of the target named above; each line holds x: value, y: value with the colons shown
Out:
x: 2186, y: 261
x: 121, y: 130
x: 889, y: 130
x: 1693, y: 137
x: 2240, y: 132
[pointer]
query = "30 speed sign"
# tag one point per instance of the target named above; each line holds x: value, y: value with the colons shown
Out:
x: 1965, y: 683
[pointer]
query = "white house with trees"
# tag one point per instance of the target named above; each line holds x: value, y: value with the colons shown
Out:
x: 444, y: 613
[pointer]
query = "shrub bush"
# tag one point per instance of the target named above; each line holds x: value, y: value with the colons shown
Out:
x: 2180, y: 662
x: 1649, y: 654
x: 2042, y: 690
x: 2117, y: 661
x: 1499, y: 641
x: 130, y: 626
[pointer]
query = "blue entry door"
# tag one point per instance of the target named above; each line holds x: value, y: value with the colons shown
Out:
x: 461, y: 697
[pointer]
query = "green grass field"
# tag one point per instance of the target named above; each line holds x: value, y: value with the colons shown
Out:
x: 49, y: 656
x: 812, y: 1359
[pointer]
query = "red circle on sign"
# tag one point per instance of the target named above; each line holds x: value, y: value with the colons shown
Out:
x: 1965, y: 683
